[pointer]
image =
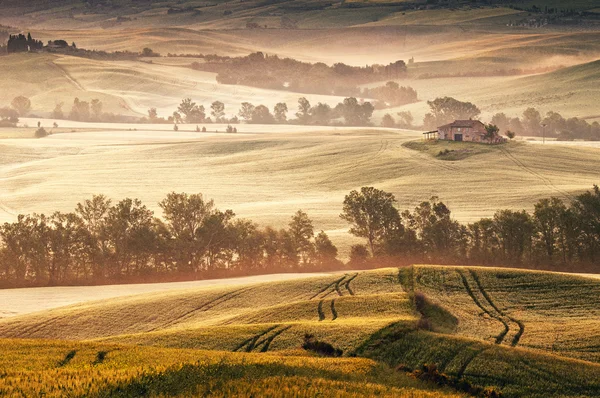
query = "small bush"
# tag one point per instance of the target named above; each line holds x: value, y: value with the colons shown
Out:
x: 320, y: 347
x: 41, y: 133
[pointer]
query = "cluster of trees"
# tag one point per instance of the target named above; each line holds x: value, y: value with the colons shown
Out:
x: 270, y: 71
x: 21, y: 43
x: 101, y: 242
x: 446, y: 110
x: 354, y: 113
x: 391, y: 94
x: 19, y: 106
x: 557, y: 235
x: 87, y: 111
x: 552, y: 125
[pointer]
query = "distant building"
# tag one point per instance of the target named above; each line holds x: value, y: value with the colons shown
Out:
x: 464, y: 130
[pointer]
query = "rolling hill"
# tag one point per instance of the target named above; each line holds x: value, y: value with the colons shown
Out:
x: 511, y: 330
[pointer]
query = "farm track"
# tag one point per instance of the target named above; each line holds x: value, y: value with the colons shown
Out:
x: 470, y: 359
x: 500, y: 337
x: 334, y: 313
x: 204, y: 307
x: 327, y: 287
x: 251, y: 342
x: 520, y: 324
x: 347, y: 284
x: 320, y: 311
x: 547, y: 182
x: 270, y: 339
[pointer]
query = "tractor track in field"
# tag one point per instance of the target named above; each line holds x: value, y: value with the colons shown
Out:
x: 251, y: 342
x: 320, y: 311
x: 500, y: 337
x: 202, y: 308
x: 334, y: 313
x: 272, y: 337
x: 485, y: 294
x: 327, y: 287
x: 547, y: 182
x: 347, y: 284
x: 470, y: 359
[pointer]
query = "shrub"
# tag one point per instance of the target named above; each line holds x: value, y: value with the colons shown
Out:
x: 41, y: 133
x: 320, y: 347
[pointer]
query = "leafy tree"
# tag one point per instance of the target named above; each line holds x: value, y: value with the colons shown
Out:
x: 303, y: 113
x: 8, y: 117
x: 325, y: 251
x: 587, y: 210
x: 262, y: 115
x: 152, y: 114
x: 321, y: 114
x: 371, y: 214
x: 515, y: 231
x: 96, y: 107
x: 511, y: 134
x: 500, y: 120
x: 359, y: 255
x: 57, y: 113
x: 405, y: 119
x: 217, y: 111
x: 192, y: 112
x: 491, y: 132
x: 280, y: 112
x: 22, y: 105
x: 447, y: 109
x: 246, y: 111
x: 301, y: 231
x: 388, y: 121
x: 356, y: 114
x: 80, y: 110
x: 532, y: 121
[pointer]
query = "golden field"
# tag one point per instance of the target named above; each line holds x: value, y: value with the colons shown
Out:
x: 512, y: 330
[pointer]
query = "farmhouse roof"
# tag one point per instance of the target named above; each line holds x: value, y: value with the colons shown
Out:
x: 461, y: 123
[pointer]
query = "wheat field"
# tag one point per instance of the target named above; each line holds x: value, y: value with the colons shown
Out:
x: 507, y: 329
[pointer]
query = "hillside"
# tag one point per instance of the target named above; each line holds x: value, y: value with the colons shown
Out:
x: 492, y: 327
x: 246, y: 173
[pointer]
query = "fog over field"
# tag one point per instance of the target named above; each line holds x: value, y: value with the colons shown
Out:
x: 346, y: 198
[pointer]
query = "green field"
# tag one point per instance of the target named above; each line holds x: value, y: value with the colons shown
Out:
x: 491, y: 327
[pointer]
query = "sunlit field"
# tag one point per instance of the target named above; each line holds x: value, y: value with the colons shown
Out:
x: 267, y: 172
x: 492, y: 327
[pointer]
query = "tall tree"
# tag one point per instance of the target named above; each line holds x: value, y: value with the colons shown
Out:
x: 22, y: 105
x: 280, y: 112
x: 371, y: 214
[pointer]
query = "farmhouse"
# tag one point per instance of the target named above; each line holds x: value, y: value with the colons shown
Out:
x: 464, y: 130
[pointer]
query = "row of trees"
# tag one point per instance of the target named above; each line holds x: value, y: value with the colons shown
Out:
x: 557, y: 235
x: 270, y: 71
x: 354, y: 113
x: 101, y: 241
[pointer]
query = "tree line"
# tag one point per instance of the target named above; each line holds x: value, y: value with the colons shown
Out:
x: 272, y: 72
x: 103, y: 242
x: 556, y: 236
x: 447, y: 109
